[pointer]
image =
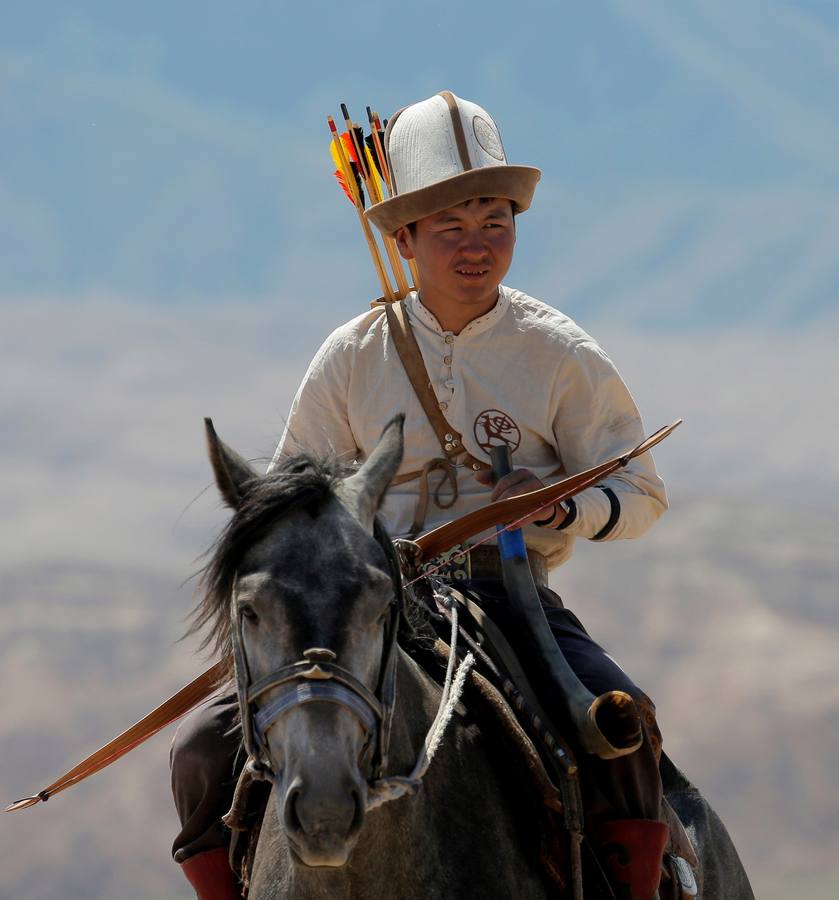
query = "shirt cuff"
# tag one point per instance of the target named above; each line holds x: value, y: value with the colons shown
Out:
x: 569, y: 507
x: 614, y: 515
x: 594, y: 511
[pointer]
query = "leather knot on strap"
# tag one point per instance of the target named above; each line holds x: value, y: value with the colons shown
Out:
x: 449, y: 480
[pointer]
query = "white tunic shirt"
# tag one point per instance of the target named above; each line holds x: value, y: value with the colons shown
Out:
x: 523, y: 373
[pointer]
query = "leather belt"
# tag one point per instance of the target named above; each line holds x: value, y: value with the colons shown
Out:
x: 480, y: 563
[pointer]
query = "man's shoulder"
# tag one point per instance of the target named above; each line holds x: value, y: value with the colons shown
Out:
x: 539, y: 319
x: 354, y: 334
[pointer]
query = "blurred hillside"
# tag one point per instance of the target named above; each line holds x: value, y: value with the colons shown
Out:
x: 726, y: 612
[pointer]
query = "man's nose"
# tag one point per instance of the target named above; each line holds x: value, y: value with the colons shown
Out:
x: 473, y: 241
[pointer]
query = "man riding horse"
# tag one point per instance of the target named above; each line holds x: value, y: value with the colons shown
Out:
x: 497, y: 367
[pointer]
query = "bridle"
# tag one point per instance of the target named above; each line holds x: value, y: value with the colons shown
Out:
x: 318, y: 678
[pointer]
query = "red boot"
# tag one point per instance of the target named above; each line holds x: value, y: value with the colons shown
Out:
x: 631, y: 850
x: 211, y: 876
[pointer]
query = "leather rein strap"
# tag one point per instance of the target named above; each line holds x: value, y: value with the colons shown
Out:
x: 430, y: 544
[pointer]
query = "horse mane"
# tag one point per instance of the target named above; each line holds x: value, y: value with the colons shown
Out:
x: 298, y: 482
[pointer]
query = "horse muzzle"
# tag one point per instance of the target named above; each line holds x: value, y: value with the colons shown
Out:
x: 322, y: 818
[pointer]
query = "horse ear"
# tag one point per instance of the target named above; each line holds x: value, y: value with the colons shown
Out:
x: 363, y: 491
x: 230, y: 469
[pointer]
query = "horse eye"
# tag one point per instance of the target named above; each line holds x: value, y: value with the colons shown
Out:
x: 249, y: 613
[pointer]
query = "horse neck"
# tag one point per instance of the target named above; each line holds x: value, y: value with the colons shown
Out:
x: 418, y: 699
x: 465, y: 821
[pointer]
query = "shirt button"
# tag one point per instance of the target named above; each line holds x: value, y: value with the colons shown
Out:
x: 443, y: 404
x: 449, y: 338
x: 447, y: 360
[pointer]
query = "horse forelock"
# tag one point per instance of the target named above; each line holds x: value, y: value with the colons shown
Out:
x: 301, y: 482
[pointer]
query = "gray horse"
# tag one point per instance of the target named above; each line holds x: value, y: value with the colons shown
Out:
x: 301, y: 582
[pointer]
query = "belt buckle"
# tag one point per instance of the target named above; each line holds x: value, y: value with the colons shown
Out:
x: 453, y: 565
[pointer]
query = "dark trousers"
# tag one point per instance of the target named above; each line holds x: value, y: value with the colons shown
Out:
x: 206, y: 758
x: 628, y: 787
x: 206, y: 755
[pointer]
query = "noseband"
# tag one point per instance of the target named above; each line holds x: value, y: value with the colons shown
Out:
x: 317, y: 678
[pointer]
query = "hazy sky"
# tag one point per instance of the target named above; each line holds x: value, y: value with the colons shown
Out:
x: 173, y: 243
x: 168, y: 152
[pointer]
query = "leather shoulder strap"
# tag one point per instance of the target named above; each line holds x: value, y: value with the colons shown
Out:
x: 451, y: 441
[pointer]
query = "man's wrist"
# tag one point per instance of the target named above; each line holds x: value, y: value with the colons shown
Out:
x: 546, y: 523
x: 569, y: 508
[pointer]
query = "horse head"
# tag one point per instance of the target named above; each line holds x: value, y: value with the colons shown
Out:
x: 302, y: 587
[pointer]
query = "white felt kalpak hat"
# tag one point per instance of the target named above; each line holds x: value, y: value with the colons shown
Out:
x: 444, y: 151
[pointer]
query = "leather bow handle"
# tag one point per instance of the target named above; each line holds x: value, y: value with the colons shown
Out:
x: 505, y: 511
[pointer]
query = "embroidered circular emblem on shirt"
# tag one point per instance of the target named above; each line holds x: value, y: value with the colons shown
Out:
x: 486, y: 136
x: 494, y: 428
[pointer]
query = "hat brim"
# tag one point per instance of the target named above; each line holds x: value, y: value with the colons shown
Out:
x: 515, y: 183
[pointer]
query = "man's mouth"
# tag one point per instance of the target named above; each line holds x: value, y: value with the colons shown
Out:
x: 471, y: 271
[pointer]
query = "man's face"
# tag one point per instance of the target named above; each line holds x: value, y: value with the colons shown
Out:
x: 462, y: 253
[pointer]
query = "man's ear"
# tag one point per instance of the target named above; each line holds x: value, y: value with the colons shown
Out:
x: 404, y: 241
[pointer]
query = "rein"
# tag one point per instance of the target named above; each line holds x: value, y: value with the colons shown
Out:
x: 395, y: 786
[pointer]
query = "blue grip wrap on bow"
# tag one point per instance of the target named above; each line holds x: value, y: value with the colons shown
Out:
x: 510, y: 543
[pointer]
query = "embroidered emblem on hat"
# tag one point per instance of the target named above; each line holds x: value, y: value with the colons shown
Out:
x: 486, y: 136
x: 494, y: 428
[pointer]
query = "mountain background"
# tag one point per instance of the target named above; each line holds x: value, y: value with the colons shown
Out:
x: 172, y: 245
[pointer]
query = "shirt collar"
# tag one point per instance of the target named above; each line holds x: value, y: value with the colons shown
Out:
x: 419, y: 313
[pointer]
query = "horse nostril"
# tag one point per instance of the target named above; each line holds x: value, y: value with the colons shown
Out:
x: 291, y: 818
x: 358, y: 815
